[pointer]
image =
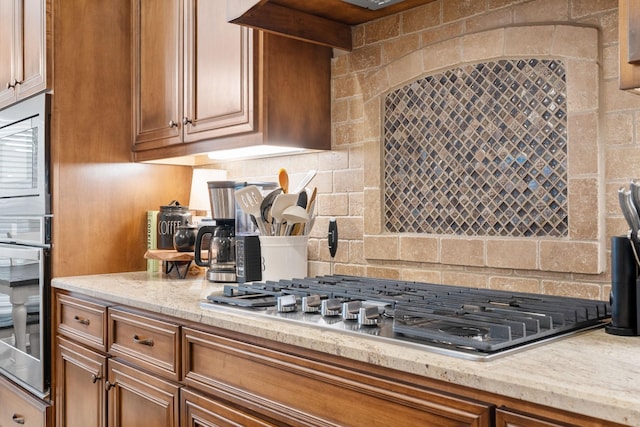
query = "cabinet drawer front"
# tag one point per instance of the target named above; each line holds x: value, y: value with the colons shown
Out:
x: 199, y: 410
x: 17, y: 408
x: 275, y: 382
x: 82, y: 320
x: 147, y: 342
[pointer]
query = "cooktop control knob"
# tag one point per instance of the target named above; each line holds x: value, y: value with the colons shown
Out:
x: 350, y: 310
x: 368, y: 316
x: 286, y: 303
x: 310, y: 304
x: 331, y: 307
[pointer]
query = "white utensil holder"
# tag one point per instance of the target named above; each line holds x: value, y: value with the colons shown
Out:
x: 283, y: 257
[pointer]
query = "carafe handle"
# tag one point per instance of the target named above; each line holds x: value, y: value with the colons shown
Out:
x: 202, y: 231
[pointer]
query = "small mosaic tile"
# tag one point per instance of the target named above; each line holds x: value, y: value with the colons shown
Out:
x: 479, y: 150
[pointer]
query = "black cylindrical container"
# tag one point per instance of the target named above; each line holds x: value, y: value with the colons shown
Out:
x: 170, y: 218
x: 624, y: 274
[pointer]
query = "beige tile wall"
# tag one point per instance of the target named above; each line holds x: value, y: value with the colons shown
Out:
x: 392, y: 50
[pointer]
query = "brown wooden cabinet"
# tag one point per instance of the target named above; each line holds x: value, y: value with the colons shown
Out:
x: 204, y: 87
x: 312, y: 392
x: 93, y: 388
x: 202, y: 84
x: 137, y: 398
x: 199, y: 410
x: 17, y: 407
x: 228, y: 379
x: 506, y: 417
x: 80, y: 395
x: 628, y: 31
x: 23, y: 49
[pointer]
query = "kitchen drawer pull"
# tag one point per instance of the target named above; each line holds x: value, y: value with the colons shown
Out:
x: 108, y: 386
x: 17, y: 419
x: 143, y: 341
x: 173, y: 124
x: 95, y: 378
x: 81, y: 320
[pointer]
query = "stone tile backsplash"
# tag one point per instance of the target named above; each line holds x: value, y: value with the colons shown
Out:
x: 478, y: 150
x: 602, y: 145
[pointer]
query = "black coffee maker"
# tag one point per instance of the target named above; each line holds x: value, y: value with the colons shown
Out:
x: 221, y: 236
x: 625, y: 297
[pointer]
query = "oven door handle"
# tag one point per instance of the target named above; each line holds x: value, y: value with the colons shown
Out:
x: 22, y: 252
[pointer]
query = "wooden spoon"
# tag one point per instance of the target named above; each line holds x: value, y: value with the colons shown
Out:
x: 283, y: 178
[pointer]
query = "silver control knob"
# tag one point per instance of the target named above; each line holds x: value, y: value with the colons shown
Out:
x: 350, y: 310
x: 286, y: 303
x: 310, y: 304
x: 331, y: 307
x: 368, y: 316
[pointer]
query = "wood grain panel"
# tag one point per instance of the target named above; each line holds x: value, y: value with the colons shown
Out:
x: 100, y: 197
x: 271, y: 381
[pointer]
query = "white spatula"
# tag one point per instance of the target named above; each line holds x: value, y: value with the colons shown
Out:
x: 249, y: 199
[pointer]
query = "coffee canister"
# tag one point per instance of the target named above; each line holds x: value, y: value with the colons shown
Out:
x: 171, y: 217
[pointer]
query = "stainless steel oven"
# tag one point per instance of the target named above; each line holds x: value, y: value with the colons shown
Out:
x: 25, y: 244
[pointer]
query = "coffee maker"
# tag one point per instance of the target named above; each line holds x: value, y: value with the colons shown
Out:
x: 220, y: 235
x: 625, y: 297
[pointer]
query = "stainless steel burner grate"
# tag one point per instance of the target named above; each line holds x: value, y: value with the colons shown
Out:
x: 480, y: 321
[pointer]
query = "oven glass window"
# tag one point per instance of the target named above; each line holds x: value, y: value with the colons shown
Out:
x: 18, y: 156
x: 21, y: 279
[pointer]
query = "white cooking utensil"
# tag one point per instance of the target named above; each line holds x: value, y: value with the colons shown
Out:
x: 294, y: 215
x: 282, y: 202
x: 249, y: 199
x: 306, y: 180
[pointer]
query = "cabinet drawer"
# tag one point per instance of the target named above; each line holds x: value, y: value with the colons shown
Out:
x: 82, y: 320
x: 151, y: 343
x: 17, y: 408
x: 313, y: 392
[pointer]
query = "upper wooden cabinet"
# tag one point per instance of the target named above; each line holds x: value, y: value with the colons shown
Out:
x: 202, y: 84
x: 192, y: 73
x: 628, y: 31
x: 23, y: 49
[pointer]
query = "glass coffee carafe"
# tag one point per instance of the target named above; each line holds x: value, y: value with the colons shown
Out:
x: 221, y: 259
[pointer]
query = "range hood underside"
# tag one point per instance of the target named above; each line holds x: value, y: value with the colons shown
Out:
x: 325, y: 22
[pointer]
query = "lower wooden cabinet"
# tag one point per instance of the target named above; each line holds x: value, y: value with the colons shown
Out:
x: 137, y: 398
x: 314, y: 392
x: 19, y: 408
x: 198, y: 410
x: 506, y: 417
x: 230, y: 379
x: 80, y: 393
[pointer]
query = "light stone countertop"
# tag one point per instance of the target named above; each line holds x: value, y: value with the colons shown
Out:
x: 591, y: 373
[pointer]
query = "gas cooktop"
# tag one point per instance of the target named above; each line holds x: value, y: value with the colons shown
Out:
x: 472, y: 323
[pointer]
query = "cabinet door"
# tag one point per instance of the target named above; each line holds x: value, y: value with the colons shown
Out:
x: 32, y: 69
x: 200, y: 411
x: 509, y: 418
x: 218, y: 77
x: 17, y: 408
x: 23, y: 56
x: 9, y: 25
x: 157, y: 86
x: 80, y: 394
x: 138, y: 399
